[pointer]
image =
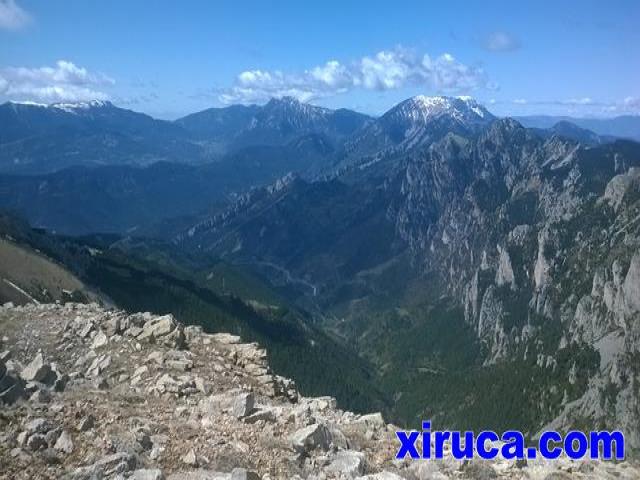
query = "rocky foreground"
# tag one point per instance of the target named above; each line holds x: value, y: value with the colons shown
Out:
x: 89, y: 393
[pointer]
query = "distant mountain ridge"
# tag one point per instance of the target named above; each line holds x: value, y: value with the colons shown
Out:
x: 36, y: 139
x: 39, y: 139
x: 126, y: 198
x: 278, y: 121
x: 624, y: 126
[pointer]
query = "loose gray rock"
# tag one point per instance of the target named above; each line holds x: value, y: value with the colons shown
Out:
x: 348, y: 462
x: 309, y: 438
x: 558, y: 476
x: 99, y: 365
x: 147, y: 474
x: 243, y: 474
x: 36, y: 442
x: 120, y: 462
x: 190, y: 459
x: 265, y: 415
x: 38, y: 425
x: 100, y: 340
x: 87, y: 423
x: 38, y: 371
x: 478, y: 471
x: 243, y: 405
x: 64, y: 443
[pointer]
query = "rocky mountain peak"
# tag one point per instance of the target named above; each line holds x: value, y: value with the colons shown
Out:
x: 292, y: 111
x: 415, y: 123
x: 422, y: 109
x: 286, y: 100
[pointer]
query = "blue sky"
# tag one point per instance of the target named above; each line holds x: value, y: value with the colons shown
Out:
x: 169, y: 58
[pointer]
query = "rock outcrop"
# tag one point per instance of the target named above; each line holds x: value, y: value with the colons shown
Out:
x: 104, y: 394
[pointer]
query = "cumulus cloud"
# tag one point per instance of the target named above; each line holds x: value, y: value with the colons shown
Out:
x: 12, y: 16
x: 500, y: 42
x: 386, y: 70
x: 63, y: 82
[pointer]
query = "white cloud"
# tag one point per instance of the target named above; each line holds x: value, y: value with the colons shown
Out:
x: 500, y: 42
x: 12, y: 16
x: 386, y: 70
x: 632, y: 104
x: 63, y: 82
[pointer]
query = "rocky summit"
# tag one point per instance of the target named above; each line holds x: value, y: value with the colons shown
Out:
x: 91, y: 393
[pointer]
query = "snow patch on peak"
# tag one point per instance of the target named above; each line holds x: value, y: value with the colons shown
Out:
x: 28, y: 103
x: 67, y: 107
x: 74, y: 107
x: 423, y: 108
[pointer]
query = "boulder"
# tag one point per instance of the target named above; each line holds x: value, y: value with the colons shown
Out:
x: 87, y: 423
x: 190, y: 459
x: 264, y: 414
x: 64, y: 443
x: 36, y: 442
x: 202, y: 385
x: 385, y: 475
x: 147, y: 474
x: 558, y: 476
x: 347, y: 462
x: 11, y: 394
x: 163, y: 330
x: 243, y: 405
x: 99, y: 340
x: 225, y: 338
x: 108, y: 466
x: 477, y: 470
x: 113, y: 326
x: 199, y: 474
x: 38, y: 371
x: 310, y: 438
x: 214, y: 404
x: 99, y: 365
x: 181, y: 386
x: 40, y: 396
x: 244, y: 474
x: 37, y: 425
x: 372, y: 420
x: 11, y: 388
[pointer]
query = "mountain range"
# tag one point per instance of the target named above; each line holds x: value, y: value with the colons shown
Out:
x: 470, y: 260
x: 114, y: 160
x: 39, y: 139
x: 45, y: 138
